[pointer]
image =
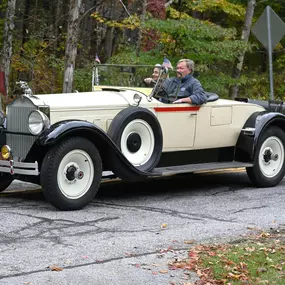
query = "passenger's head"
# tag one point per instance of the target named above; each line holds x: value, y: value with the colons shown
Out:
x: 156, y: 71
x: 185, y: 67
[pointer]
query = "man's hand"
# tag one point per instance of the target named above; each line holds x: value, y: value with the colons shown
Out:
x: 183, y: 100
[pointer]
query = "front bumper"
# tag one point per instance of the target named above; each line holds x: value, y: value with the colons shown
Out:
x: 15, y: 167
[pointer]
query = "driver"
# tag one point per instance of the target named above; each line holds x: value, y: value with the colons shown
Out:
x: 185, y: 87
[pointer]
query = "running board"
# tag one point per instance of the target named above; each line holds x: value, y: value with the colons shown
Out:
x: 170, y: 170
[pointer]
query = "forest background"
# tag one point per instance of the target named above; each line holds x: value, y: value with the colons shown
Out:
x: 51, y: 42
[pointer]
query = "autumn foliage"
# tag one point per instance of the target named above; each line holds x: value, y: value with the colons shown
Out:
x: 157, y: 8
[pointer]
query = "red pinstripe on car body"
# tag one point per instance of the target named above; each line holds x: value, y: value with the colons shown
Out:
x: 177, y: 109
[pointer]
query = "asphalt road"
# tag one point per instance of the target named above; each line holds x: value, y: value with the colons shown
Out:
x: 131, y: 231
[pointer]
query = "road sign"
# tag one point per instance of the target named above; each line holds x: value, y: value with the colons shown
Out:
x: 269, y: 30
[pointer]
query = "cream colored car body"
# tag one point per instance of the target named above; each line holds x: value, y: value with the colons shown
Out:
x: 212, y: 125
x: 129, y: 133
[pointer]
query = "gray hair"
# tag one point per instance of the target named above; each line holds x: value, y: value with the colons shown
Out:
x: 189, y: 63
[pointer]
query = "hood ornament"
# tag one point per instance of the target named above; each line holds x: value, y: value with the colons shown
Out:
x: 24, y: 86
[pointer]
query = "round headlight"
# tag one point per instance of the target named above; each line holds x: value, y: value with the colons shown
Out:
x: 37, y: 122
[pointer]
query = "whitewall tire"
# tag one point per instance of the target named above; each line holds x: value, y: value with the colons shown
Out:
x: 71, y: 173
x: 137, y: 133
x: 269, y: 167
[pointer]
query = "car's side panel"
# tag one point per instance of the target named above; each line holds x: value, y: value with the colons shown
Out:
x: 212, y: 125
x: 98, y: 117
x: 219, y: 126
x: 221, y: 116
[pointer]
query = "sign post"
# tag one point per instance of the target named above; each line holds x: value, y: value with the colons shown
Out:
x: 269, y: 30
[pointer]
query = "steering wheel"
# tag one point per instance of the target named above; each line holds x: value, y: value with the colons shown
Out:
x: 161, y: 93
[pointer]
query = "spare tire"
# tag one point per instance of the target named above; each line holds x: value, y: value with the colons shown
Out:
x: 137, y: 133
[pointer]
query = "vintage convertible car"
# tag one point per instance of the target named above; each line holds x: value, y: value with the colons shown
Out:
x: 64, y: 142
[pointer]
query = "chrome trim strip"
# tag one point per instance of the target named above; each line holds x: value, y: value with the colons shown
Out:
x: 15, y: 167
x: 248, y: 131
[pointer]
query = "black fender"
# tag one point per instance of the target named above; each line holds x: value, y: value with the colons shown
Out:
x: 248, y: 140
x: 108, y: 150
x: 2, y: 137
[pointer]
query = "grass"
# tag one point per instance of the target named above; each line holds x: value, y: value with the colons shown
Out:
x: 258, y: 260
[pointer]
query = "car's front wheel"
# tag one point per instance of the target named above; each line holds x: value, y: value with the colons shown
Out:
x: 269, y: 167
x: 71, y: 173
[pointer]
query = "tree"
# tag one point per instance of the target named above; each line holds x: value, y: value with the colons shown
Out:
x: 244, y: 37
x: 7, y: 41
x: 140, y: 35
x: 75, y: 9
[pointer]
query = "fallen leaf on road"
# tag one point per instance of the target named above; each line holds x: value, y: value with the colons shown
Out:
x: 55, y: 268
x: 170, y: 248
x: 163, y: 271
x: 163, y: 226
x: 190, y: 241
x: 264, y: 235
x: 130, y: 254
x: 253, y: 228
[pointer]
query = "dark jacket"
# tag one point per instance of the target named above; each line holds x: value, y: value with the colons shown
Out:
x: 188, y: 86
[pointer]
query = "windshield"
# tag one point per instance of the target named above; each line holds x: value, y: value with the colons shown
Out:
x: 119, y: 75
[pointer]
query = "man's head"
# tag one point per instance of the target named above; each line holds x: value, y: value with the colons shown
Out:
x: 185, y: 67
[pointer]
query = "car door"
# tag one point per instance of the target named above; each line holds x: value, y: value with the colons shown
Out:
x: 178, y: 123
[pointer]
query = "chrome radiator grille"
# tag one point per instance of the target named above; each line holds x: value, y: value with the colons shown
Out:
x: 17, y: 121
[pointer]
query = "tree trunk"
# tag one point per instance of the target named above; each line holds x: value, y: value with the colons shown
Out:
x: 108, y: 41
x: 26, y: 24
x: 140, y: 36
x: 71, y: 43
x: 7, y: 42
x: 245, y: 35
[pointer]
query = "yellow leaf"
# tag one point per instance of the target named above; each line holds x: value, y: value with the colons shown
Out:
x: 163, y: 226
x: 55, y: 268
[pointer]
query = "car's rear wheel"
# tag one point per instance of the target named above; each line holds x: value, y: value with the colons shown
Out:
x: 269, y: 157
x: 137, y: 133
x: 71, y: 173
x: 5, y: 181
